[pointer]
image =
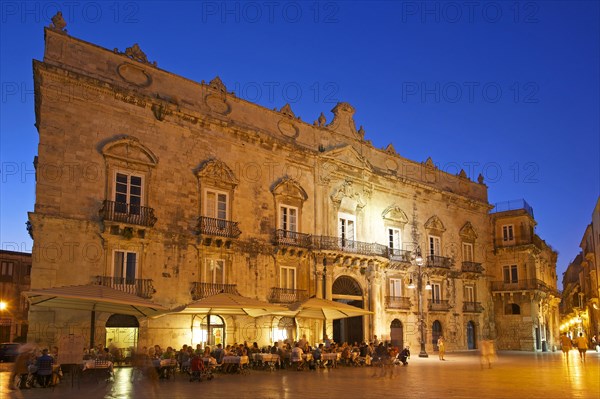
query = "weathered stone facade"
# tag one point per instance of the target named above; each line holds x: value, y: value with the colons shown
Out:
x: 150, y: 182
x: 15, y: 277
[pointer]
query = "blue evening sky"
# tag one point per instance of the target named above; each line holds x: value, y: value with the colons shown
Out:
x: 509, y: 89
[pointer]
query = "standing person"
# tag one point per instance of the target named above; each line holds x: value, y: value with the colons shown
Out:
x: 566, y: 345
x: 582, y: 345
x: 404, y: 356
x: 441, y: 343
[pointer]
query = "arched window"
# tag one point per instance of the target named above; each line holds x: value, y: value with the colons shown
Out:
x: 512, y: 308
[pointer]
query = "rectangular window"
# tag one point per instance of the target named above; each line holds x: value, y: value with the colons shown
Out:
x: 467, y: 252
x: 510, y: 274
x: 395, y: 287
x: 469, y: 293
x: 6, y: 271
x: 216, y: 205
x: 507, y: 233
x: 288, y: 218
x: 394, y: 238
x: 436, y: 293
x: 215, y: 271
x: 346, y: 230
x: 125, y: 266
x: 128, y: 193
x: 434, y: 246
x: 288, y: 277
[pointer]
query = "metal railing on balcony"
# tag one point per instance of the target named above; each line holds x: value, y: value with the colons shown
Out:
x: 218, y: 227
x: 472, y: 307
x: 127, y: 213
x: 140, y: 287
x: 352, y: 246
x: 512, y: 205
x: 523, y: 285
x: 287, y: 295
x: 472, y: 267
x: 440, y: 305
x: 292, y: 238
x: 397, y: 302
x: 400, y: 255
x: 439, y: 261
x: 203, y: 290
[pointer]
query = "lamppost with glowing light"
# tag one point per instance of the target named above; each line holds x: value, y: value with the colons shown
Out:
x: 419, y: 273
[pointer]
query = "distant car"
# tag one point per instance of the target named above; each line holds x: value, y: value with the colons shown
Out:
x: 8, y: 351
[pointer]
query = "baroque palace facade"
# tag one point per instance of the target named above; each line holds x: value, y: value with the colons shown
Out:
x: 180, y: 190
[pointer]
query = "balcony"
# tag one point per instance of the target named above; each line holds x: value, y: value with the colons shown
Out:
x: 351, y: 246
x: 472, y: 307
x: 287, y: 295
x: 127, y: 213
x: 140, y: 287
x: 203, y: 290
x: 472, y: 267
x: 397, y: 302
x: 438, y: 305
x: 218, y: 227
x: 292, y: 238
x: 400, y: 255
x: 523, y: 285
x: 512, y: 205
x: 439, y: 261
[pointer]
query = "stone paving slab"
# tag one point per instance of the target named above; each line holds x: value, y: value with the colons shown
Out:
x: 513, y: 375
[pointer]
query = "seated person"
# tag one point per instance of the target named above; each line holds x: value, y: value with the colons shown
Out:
x: 44, y: 368
x: 296, y: 356
x: 219, y: 353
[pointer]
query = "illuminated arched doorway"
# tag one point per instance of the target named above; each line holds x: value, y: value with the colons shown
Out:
x: 285, y: 329
x: 347, y: 290
x: 208, y: 330
x: 397, y: 334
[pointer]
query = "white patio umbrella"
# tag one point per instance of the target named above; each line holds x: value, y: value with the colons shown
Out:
x: 324, y: 309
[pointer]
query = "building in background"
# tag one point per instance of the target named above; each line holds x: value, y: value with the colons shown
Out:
x: 580, y: 310
x: 15, y: 272
x: 175, y: 190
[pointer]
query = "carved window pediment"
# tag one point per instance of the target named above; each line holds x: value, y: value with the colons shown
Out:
x: 395, y: 215
x: 217, y: 173
x: 467, y: 233
x: 434, y: 224
x: 130, y: 150
x: 347, y: 155
x: 348, y: 198
x: 289, y: 191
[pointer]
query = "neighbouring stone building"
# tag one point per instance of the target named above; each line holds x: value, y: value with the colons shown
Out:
x: 523, y: 281
x: 15, y: 273
x: 580, y: 307
x: 176, y: 190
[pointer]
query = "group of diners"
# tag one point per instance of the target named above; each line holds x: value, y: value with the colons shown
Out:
x: 286, y: 354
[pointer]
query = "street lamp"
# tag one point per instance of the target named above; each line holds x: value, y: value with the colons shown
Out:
x: 419, y: 273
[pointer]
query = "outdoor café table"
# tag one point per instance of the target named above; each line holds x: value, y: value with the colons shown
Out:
x: 100, y: 369
x: 167, y: 368
x: 268, y: 359
x: 331, y: 357
x: 239, y: 360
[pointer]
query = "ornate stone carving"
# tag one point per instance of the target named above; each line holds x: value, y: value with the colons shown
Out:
x: 434, y: 223
x: 135, y: 53
x: 429, y: 163
x: 462, y: 174
x: 287, y: 110
x: 216, y: 170
x: 218, y: 85
x: 361, y: 132
x: 390, y: 149
x: 288, y: 129
x: 128, y: 148
x: 467, y: 233
x: 346, y: 190
x: 480, y: 179
x: 134, y: 74
x: 393, y: 213
x: 289, y: 187
x: 343, y: 121
x: 321, y: 121
x: 58, y: 23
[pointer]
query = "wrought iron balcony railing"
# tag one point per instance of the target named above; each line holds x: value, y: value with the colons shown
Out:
x: 203, y: 290
x: 136, y: 286
x: 523, y: 285
x: 400, y: 255
x: 287, y: 295
x: 344, y: 245
x: 472, y: 307
x: 439, y: 261
x: 397, y: 302
x: 472, y: 267
x: 292, y: 238
x: 441, y: 305
x: 127, y: 213
x: 218, y: 227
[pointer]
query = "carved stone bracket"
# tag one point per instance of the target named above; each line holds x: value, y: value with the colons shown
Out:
x: 135, y: 53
